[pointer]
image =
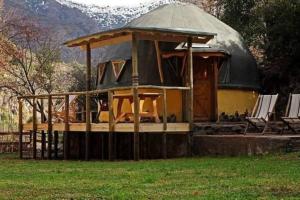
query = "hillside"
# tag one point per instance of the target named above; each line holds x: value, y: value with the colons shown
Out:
x: 70, y: 20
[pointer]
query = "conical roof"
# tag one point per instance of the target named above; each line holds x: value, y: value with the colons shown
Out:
x: 240, y: 70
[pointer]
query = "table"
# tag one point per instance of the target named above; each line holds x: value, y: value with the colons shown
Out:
x: 142, y: 97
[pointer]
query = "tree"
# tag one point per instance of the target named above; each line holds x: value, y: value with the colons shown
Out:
x: 281, y: 72
x: 242, y: 16
x: 32, y: 64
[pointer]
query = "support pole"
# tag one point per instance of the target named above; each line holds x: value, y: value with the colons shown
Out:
x: 135, y: 83
x: 165, y: 121
x: 67, y: 128
x: 191, y: 83
x: 34, y: 128
x: 20, y: 128
x: 49, y: 132
x: 88, y: 101
x: 159, y: 64
x: 43, y: 139
x: 56, y: 144
x: 111, y: 127
x: 191, y: 95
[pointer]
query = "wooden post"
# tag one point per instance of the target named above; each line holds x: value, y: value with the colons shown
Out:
x: 165, y: 121
x: 158, y: 57
x: 42, y: 111
x: 43, y: 147
x: 102, y: 146
x: 43, y: 140
x: 49, y: 132
x: 191, y: 83
x: 135, y: 83
x: 34, y: 124
x: 56, y: 144
x: 67, y: 128
x: 20, y: 128
x: 191, y: 95
x: 88, y: 101
x: 88, y: 67
x: 111, y: 126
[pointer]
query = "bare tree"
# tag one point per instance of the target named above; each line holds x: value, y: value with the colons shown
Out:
x: 30, y: 59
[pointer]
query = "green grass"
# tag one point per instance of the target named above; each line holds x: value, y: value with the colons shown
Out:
x: 267, y: 177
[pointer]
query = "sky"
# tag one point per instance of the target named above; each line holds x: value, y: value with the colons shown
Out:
x: 111, y: 2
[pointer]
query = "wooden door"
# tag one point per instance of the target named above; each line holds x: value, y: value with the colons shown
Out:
x: 204, y: 89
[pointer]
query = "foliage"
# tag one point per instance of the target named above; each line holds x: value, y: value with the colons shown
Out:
x: 30, y: 57
x: 79, y: 74
x: 281, y: 72
x: 248, y: 23
x: 268, y: 177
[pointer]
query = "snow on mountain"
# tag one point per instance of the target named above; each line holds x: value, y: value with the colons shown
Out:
x: 114, y: 16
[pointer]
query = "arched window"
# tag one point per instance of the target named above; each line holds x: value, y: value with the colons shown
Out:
x: 118, y: 66
x: 101, y: 72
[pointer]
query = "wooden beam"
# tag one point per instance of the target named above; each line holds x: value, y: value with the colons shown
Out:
x: 156, y: 128
x: 191, y: 83
x: 43, y: 141
x: 191, y: 96
x: 183, y: 65
x: 169, y: 37
x: 49, y: 131
x: 88, y: 67
x: 169, y: 54
x: 108, y: 42
x: 56, y: 144
x: 102, y: 91
x: 110, y: 126
x: 20, y: 101
x: 165, y: 110
x: 159, y: 64
x: 43, y: 135
x: 88, y: 100
x: 88, y: 126
x: 42, y: 111
x: 165, y: 121
x: 67, y: 128
x: 34, y: 123
x: 135, y: 83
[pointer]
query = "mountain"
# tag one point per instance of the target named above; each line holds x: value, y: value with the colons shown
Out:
x: 70, y: 20
x: 113, y: 17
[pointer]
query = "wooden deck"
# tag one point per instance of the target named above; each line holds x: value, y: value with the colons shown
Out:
x: 176, y: 128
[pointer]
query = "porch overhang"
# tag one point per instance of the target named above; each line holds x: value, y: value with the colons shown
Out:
x: 120, y: 35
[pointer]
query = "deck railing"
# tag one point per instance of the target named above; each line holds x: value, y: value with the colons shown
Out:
x: 37, y: 102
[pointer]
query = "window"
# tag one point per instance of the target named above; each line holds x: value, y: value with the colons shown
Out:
x: 118, y: 68
x: 101, y: 72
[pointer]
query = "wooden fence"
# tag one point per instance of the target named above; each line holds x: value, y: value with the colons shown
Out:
x: 9, y: 142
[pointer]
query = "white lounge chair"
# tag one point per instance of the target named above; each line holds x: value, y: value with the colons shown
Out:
x: 292, y: 114
x: 262, y: 112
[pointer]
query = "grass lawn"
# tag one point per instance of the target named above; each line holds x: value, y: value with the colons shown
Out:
x: 267, y: 177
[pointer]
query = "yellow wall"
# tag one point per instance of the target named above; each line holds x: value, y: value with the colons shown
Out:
x: 232, y: 100
x: 229, y: 101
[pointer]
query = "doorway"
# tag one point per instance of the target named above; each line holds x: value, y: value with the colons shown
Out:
x: 205, y: 89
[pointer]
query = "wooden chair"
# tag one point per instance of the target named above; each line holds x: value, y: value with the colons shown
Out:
x: 262, y: 112
x: 102, y: 104
x: 58, y: 111
x: 292, y: 114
